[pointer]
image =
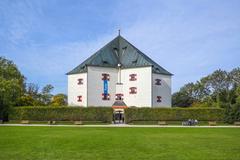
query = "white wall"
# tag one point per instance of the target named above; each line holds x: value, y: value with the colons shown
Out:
x: 163, y: 90
x: 75, y: 90
x: 143, y: 98
x: 92, y: 88
x: 95, y: 85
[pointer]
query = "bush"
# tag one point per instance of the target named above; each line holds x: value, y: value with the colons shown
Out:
x: 173, y: 114
x: 103, y: 114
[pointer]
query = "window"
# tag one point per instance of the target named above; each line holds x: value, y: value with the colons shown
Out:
x: 79, y: 98
x: 133, y: 77
x: 159, y: 99
x: 133, y: 90
x: 80, y: 81
x: 106, y: 97
x: 105, y: 76
x: 119, y: 97
x: 158, y: 82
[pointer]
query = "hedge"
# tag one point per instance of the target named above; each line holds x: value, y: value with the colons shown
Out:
x: 173, y: 114
x: 103, y: 114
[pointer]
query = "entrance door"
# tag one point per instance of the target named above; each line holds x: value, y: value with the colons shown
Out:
x: 118, y: 117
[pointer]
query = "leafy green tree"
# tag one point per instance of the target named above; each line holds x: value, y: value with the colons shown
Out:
x: 235, y: 76
x: 238, y: 95
x: 219, y: 83
x: 46, y: 95
x: 31, y: 96
x: 11, y: 86
x: 184, y: 98
x: 59, y: 100
x: 216, y: 89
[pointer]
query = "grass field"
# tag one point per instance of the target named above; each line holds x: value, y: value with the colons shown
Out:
x: 69, y: 143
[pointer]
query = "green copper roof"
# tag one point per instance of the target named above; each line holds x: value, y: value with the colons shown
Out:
x: 119, y: 50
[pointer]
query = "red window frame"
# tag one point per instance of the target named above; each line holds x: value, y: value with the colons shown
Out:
x: 133, y: 90
x: 79, y: 98
x: 119, y: 96
x: 133, y: 77
x: 80, y: 81
x: 158, y: 82
x: 105, y: 76
x: 105, y: 97
x: 159, y: 99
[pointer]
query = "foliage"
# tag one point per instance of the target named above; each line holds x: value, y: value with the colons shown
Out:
x: 59, y: 100
x: 214, y: 90
x: 62, y: 114
x: 184, y: 98
x: 173, y: 114
x: 11, y: 86
x: 33, y: 97
x: 232, y: 113
x: 46, y: 96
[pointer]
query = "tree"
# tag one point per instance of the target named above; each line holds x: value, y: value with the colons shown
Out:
x: 32, y: 90
x: 184, y: 98
x: 30, y: 97
x: 235, y: 76
x: 11, y: 86
x: 237, y: 92
x: 218, y: 81
x: 59, y: 100
x: 216, y: 89
x: 46, y: 95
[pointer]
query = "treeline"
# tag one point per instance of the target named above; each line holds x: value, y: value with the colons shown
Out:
x: 33, y: 96
x: 220, y: 89
x: 215, y: 90
x: 15, y: 91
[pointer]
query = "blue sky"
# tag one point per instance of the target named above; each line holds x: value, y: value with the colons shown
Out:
x: 190, y: 38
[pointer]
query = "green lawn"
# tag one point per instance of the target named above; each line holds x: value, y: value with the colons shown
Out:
x: 69, y: 143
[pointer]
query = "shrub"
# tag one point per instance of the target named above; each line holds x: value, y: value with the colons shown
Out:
x: 103, y: 114
x: 173, y: 114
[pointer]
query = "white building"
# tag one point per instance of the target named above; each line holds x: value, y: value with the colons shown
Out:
x: 119, y: 75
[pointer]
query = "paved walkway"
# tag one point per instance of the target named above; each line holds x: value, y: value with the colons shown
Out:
x: 119, y: 126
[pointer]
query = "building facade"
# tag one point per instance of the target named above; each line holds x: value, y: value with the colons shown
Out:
x: 119, y: 75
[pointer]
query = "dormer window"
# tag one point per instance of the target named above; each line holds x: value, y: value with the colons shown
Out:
x: 135, y: 61
x: 133, y: 77
x: 80, y: 81
x: 133, y: 90
x: 158, y: 82
x: 119, y: 97
x: 105, y: 62
x: 159, y: 99
x: 79, y: 99
x: 105, y: 76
